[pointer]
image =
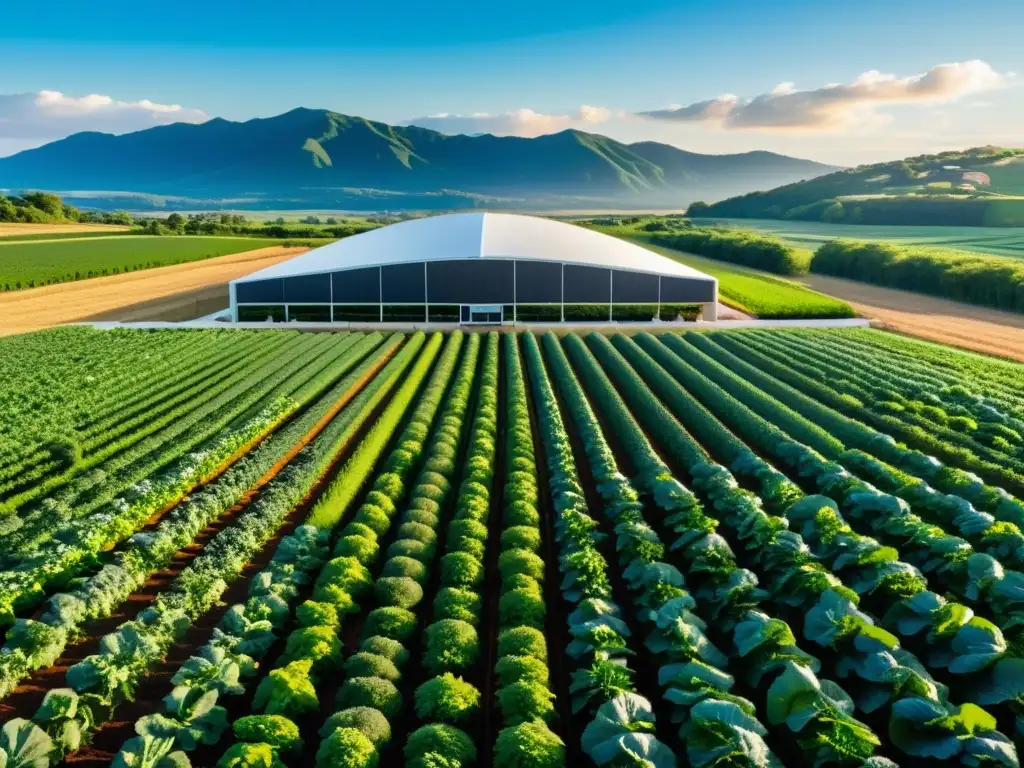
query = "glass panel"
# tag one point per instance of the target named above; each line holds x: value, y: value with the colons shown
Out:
x: 261, y: 313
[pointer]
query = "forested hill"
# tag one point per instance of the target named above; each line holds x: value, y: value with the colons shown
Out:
x: 977, y: 187
x: 307, y: 157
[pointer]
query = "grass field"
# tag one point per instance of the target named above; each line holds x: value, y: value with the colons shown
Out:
x: 31, y: 264
x: 808, y: 234
x: 758, y: 293
x: 50, y: 235
x: 482, y: 550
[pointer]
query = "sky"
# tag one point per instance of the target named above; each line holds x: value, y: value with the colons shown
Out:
x: 844, y: 83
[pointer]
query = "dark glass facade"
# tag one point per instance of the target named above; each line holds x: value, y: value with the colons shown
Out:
x: 453, y: 283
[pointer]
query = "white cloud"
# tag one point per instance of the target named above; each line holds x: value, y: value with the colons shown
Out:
x: 838, y: 106
x: 36, y: 118
x: 517, y: 122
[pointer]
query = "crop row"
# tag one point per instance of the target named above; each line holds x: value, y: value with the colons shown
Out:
x: 102, y: 682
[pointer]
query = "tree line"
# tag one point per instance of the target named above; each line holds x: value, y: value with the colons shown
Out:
x: 48, y: 208
x: 975, y: 278
x: 738, y: 247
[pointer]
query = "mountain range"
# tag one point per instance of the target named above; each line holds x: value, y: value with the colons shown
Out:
x: 310, y: 158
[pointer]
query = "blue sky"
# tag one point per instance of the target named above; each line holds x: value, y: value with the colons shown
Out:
x: 530, y: 67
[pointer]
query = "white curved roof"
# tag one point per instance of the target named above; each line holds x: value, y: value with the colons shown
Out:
x: 477, y: 236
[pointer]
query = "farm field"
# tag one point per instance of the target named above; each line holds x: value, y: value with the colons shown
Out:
x: 179, y: 292
x: 33, y: 264
x: 981, y: 329
x: 759, y: 293
x: 808, y: 234
x: 729, y: 548
x: 16, y: 230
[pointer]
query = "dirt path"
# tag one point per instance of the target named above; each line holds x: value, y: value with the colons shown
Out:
x: 950, y: 322
x: 177, y: 292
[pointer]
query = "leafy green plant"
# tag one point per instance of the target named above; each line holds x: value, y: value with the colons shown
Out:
x: 367, y: 720
x: 390, y: 621
x: 287, y: 691
x: 387, y: 647
x: 528, y: 745
x: 523, y: 641
x: 364, y: 664
x: 445, y: 741
x: 279, y: 732
x: 450, y: 644
x: 458, y: 603
x: 370, y: 692
x: 447, y: 698
x: 400, y: 591
x: 522, y: 701
x: 346, y: 748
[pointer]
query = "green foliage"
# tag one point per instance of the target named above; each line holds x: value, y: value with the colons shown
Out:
x: 347, y: 748
x: 279, y: 732
x: 405, y: 566
x: 314, y: 614
x: 747, y: 248
x: 33, y: 264
x: 521, y: 561
x: 362, y: 548
x: 367, y: 720
x: 370, y: 692
x: 511, y: 669
x: 461, y: 569
x: 450, y: 644
x: 528, y: 745
x: 398, y: 591
x: 444, y: 740
x: 319, y: 644
x: 391, y: 621
x: 243, y: 755
x: 523, y: 701
x: 287, y: 691
x: 523, y: 641
x: 458, y: 603
x: 364, y: 664
x: 387, y: 647
x: 520, y: 537
x: 446, y: 698
x: 975, y: 278
x: 522, y: 607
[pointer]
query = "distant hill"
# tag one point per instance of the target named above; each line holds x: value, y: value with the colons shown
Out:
x: 314, y: 158
x: 977, y: 187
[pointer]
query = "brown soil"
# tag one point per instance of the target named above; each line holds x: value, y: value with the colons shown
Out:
x: 981, y: 329
x: 10, y: 230
x: 177, y: 292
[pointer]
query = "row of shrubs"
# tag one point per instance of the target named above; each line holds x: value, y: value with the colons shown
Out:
x: 313, y: 649
x: 990, y: 281
x: 370, y: 698
x: 738, y: 247
x: 524, y: 695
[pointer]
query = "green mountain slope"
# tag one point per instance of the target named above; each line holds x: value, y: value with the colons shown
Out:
x: 983, y: 186
x: 307, y: 158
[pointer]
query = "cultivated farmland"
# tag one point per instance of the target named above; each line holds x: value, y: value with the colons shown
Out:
x: 33, y: 263
x: 730, y: 548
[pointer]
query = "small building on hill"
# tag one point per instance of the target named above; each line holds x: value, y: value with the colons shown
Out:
x: 475, y: 268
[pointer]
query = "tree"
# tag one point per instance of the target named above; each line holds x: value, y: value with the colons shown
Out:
x: 7, y: 210
x: 176, y: 222
x: 47, y: 202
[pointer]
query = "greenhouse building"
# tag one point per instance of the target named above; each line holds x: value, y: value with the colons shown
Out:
x: 475, y: 268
